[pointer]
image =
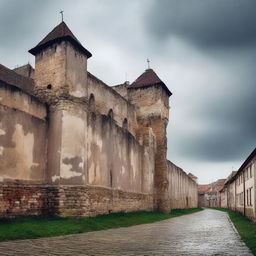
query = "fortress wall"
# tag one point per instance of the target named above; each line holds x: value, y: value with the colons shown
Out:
x: 116, y: 159
x: 22, y: 135
x: 107, y: 99
x: 183, y: 191
x: 122, y: 89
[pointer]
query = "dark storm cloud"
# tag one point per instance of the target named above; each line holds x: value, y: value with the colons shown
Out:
x: 221, y: 117
x: 205, y: 22
x: 218, y: 121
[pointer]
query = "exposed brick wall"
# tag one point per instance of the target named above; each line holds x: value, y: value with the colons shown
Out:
x: 25, y: 199
x: 92, y: 200
x: 16, y: 199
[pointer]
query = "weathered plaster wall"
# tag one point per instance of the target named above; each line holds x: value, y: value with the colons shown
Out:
x: 122, y: 89
x: 22, y: 135
x: 116, y: 159
x: 183, y: 191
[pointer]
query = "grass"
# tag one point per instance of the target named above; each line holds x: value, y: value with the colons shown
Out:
x: 245, y: 227
x: 46, y: 226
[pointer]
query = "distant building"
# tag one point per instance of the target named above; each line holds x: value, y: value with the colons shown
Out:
x: 239, y: 191
x: 209, y: 194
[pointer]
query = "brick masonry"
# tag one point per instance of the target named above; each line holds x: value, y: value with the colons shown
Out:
x: 68, y: 200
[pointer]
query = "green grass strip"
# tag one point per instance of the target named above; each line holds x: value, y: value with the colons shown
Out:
x: 47, y: 226
x: 245, y: 227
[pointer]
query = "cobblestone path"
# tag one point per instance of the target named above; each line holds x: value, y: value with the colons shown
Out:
x: 208, y: 232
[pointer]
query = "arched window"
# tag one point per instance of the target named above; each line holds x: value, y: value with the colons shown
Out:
x: 92, y: 103
x: 111, y: 114
x: 125, y: 124
x: 110, y: 179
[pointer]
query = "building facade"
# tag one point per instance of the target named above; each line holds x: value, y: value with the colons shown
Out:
x: 73, y: 146
x: 239, y: 192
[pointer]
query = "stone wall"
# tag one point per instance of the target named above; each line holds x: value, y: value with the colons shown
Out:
x: 38, y: 199
x: 183, y: 191
x: 93, y: 200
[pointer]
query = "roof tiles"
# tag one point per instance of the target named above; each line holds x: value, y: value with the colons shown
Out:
x: 60, y: 32
x: 149, y: 78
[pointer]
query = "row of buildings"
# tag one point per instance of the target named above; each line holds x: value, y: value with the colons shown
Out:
x: 237, y: 192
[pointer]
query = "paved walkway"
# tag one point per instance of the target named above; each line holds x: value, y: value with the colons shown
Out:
x: 208, y: 232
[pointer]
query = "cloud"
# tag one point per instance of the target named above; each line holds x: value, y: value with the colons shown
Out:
x: 207, y: 23
x: 213, y: 107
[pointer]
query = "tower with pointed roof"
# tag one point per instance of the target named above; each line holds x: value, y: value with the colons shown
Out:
x: 61, y: 82
x: 61, y: 60
x: 151, y: 97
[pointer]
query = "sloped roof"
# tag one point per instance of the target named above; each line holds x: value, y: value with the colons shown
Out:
x: 231, y: 175
x: 213, y: 187
x: 203, y: 188
x: 10, y: 77
x: 149, y: 78
x: 248, y: 160
x: 192, y: 175
x: 59, y: 33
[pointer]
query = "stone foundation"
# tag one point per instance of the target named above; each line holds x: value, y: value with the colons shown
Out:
x: 64, y: 200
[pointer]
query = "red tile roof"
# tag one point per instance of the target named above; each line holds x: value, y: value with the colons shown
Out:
x: 203, y: 188
x: 211, y: 188
x: 148, y: 78
x: 60, y: 32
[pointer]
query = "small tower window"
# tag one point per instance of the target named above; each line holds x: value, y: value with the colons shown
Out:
x: 49, y: 86
x: 110, y: 179
x: 110, y: 114
x: 125, y: 124
x: 92, y: 103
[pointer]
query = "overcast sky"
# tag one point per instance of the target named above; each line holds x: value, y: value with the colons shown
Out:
x: 204, y: 50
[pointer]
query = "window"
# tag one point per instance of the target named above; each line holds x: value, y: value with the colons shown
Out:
x: 92, y: 102
x: 250, y: 196
x: 110, y: 114
x: 125, y: 124
x: 242, y: 198
x: 110, y: 178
